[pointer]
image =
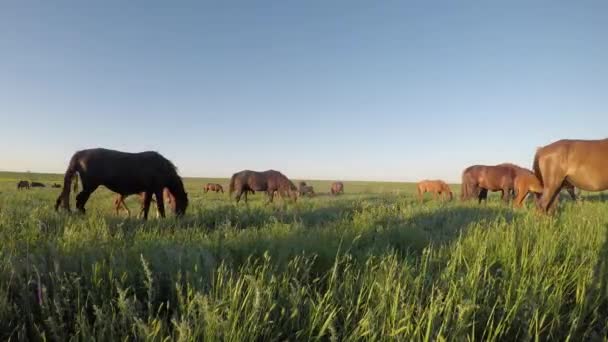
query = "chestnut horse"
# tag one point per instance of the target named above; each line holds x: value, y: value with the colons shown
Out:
x: 337, y: 188
x: 23, y: 185
x: 478, y: 179
x: 269, y: 181
x: 437, y: 187
x: 525, y: 182
x: 213, y: 187
x: 580, y: 163
x: 126, y: 174
x: 119, y: 202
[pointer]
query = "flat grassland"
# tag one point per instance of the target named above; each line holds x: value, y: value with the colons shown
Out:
x: 373, y: 264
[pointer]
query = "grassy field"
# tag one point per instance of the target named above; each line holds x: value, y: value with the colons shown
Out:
x: 373, y: 264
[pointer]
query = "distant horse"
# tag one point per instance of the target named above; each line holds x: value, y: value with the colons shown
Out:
x: 337, y: 188
x: 213, y: 187
x: 437, y: 187
x: 23, y: 185
x: 119, y: 202
x: 477, y: 180
x: 580, y: 163
x: 304, y: 189
x: 125, y: 174
x: 37, y: 185
x: 269, y: 181
x: 56, y: 186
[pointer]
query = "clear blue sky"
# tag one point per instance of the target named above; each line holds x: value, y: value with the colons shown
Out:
x: 370, y: 90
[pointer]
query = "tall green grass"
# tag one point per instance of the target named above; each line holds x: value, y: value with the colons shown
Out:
x: 364, y: 266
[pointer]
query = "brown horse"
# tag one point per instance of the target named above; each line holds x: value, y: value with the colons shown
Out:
x: 477, y: 180
x: 125, y: 174
x: 23, y: 185
x: 213, y: 187
x: 437, y: 187
x: 304, y: 189
x: 119, y: 202
x: 337, y: 188
x: 37, y: 185
x: 269, y: 181
x: 525, y: 182
x: 580, y: 163
x: 56, y: 186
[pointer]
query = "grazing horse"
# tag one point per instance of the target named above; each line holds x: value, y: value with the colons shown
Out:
x: 478, y: 179
x: 37, y: 185
x: 525, y: 182
x: 119, y: 202
x: 23, y: 185
x: 580, y: 163
x: 304, y: 189
x: 437, y: 187
x: 56, y: 186
x: 126, y: 174
x: 337, y: 188
x: 213, y: 187
x: 269, y: 181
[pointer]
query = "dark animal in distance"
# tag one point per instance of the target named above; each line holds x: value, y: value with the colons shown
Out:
x: 119, y: 202
x: 23, y: 185
x: 477, y: 180
x: 304, y: 189
x: 437, y: 187
x: 56, y: 186
x: 269, y: 181
x: 126, y: 174
x: 213, y: 187
x: 37, y: 185
x: 337, y: 188
x: 580, y: 163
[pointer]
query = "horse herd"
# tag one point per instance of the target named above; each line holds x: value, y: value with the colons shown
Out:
x: 563, y: 164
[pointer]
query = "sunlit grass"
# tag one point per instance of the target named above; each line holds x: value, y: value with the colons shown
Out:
x: 373, y: 264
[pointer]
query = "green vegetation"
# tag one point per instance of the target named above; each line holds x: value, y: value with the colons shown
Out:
x: 373, y: 264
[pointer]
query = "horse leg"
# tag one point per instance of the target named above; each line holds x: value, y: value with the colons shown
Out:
x: 572, y: 193
x: 482, y: 194
x: 550, y: 195
x: 506, y: 192
x: 270, y: 196
x: 147, y: 201
x: 83, y: 197
x: 160, y: 204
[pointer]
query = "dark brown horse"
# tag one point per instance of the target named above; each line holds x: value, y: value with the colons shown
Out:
x: 119, y: 202
x: 437, y: 187
x: 580, y: 163
x: 213, y: 187
x: 337, y: 188
x: 269, y: 181
x: 125, y: 174
x: 477, y: 180
x: 56, y: 186
x: 23, y: 185
x: 304, y: 189
x: 37, y: 185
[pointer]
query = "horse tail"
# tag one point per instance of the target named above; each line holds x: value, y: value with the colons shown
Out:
x: 231, y: 186
x: 64, y: 197
x: 463, y: 188
x: 536, y: 167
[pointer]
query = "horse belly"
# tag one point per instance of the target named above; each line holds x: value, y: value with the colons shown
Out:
x: 590, y: 182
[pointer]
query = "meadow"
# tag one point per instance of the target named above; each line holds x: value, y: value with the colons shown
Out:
x: 373, y: 264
